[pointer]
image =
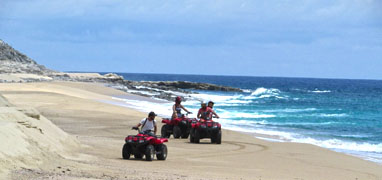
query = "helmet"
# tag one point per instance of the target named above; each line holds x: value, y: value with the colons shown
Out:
x: 178, y: 99
x: 211, y: 102
x: 203, y: 102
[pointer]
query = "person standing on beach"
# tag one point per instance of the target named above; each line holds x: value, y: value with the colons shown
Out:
x: 205, y: 113
x: 148, y: 124
x: 177, y: 108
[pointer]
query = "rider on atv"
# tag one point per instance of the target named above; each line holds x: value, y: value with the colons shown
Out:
x: 177, y: 108
x: 149, y: 125
x: 205, y: 113
x: 211, y: 104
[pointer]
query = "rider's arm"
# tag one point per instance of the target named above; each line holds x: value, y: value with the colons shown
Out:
x: 140, y: 123
x: 214, y: 113
x: 184, y: 108
x: 199, y: 112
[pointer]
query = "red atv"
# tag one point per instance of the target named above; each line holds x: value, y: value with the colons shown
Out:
x: 144, y: 144
x: 179, y: 127
x: 206, y: 129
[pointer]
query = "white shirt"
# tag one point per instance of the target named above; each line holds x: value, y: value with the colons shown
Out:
x: 148, y: 126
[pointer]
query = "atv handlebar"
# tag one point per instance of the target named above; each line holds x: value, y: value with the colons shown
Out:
x: 142, y: 132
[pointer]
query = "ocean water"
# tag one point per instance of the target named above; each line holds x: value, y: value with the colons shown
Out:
x: 341, y: 115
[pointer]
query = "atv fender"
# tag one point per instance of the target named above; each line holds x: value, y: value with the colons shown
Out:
x: 161, y: 140
x: 150, y: 139
x: 166, y: 121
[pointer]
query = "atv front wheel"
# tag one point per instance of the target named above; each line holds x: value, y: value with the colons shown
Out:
x: 177, y: 131
x: 164, y: 132
x: 162, y: 149
x: 126, y: 151
x: 149, y: 152
x: 138, y: 156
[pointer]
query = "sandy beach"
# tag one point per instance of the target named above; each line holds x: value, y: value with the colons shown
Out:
x: 90, y: 134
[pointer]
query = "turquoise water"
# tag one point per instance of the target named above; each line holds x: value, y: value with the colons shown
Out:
x: 342, y: 115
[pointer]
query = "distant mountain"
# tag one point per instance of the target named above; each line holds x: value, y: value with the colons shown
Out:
x: 12, y: 61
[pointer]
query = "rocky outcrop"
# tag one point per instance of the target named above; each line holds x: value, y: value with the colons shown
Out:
x: 113, y: 76
x: 12, y: 61
x: 167, y: 90
x: 175, y: 85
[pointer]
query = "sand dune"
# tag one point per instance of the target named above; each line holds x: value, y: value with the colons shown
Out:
x: 28, y: 138
x: 100, y: 128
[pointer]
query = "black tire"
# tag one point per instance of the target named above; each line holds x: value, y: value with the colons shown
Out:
x: 196, y: 136
x: 213, y: 139
x: 138, y: 156
x: 164, y: 132
x: 192, y: 136
x: 162, y: 149
x: 185, y: 135
x: 219, y: 137
x: 177, y: 132
x: 149, y: 152
x: 126, y: 151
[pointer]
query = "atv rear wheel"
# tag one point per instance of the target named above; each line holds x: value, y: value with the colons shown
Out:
x: 177, y: 132
x: 162, y: 149
x: 213, y: 139
x: 164, y: 132
x: 192, y: 136
x: 219, y: 137
x: 196, y: 136
x: 185, y: 135
x: 126, y: 151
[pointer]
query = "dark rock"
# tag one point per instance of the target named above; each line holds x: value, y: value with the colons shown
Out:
x: 176, y: 85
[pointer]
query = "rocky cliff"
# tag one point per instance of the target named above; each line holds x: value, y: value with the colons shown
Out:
x: 13, y: 61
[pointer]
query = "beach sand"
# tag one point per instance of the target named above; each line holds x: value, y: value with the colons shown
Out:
x: 96, y: 132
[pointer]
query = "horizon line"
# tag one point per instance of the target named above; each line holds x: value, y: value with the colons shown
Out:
x: 288, y: 77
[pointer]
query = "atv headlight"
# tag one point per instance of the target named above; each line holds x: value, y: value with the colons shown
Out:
x: 141, y: 141
x: 203, y: 126
x: 130, y: 140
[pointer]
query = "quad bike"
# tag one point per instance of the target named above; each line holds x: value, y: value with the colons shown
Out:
x: 144, y: 144
x: 178, y: 127
x: 205, y: 129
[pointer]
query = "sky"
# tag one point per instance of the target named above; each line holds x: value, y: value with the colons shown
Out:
x: 279, y: 38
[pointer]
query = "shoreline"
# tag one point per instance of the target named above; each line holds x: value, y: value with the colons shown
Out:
x: 75, y: 108
x: 121, y: 101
